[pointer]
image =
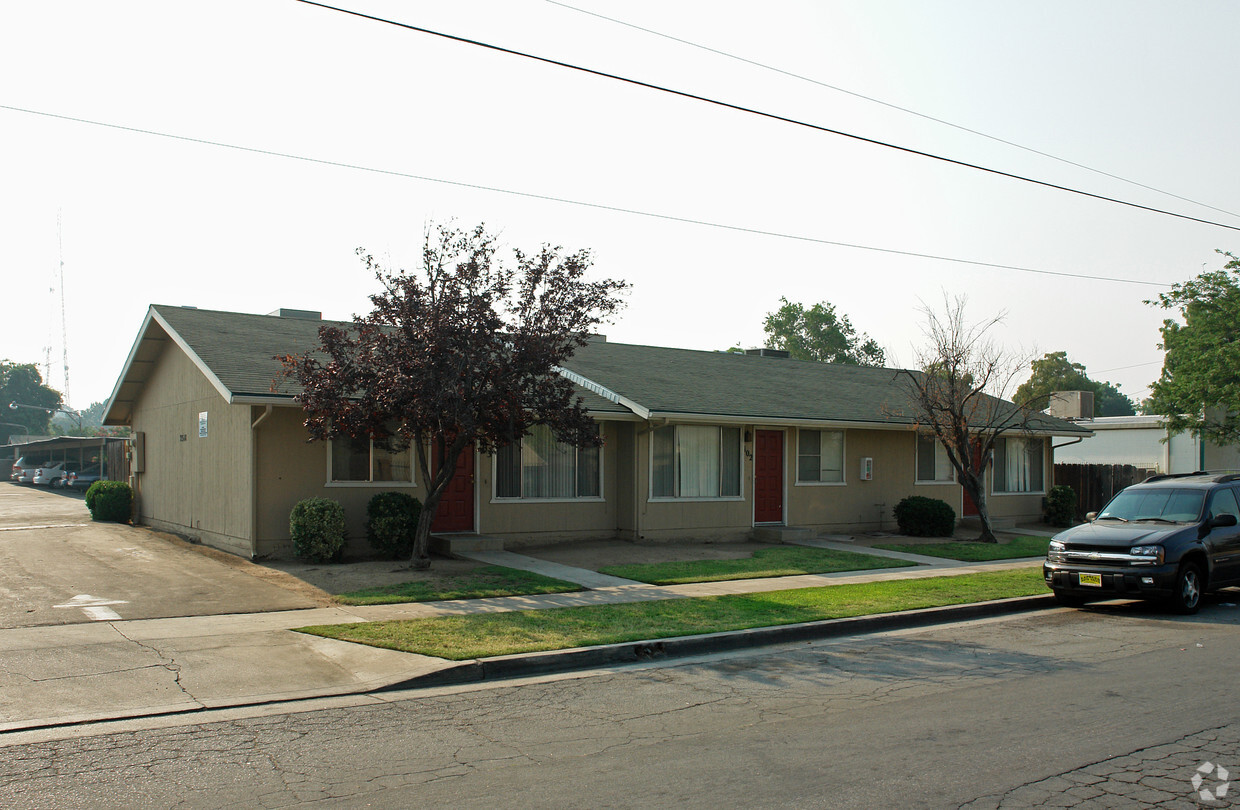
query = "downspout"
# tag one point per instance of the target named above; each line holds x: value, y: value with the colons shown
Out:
x: 637, y: 477
x: 1055, y: 447
x: 254, y: 425
x: 254, y: 481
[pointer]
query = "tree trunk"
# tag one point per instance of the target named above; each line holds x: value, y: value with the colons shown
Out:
x: 420, y: 559
x: 975, y: 488
x: 436, y: 484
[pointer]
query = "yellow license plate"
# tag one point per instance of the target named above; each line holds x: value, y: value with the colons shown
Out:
x: 1094, y: 580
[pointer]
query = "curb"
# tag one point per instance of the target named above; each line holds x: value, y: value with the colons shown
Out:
x: 556, y: 661
x: 582, y: 658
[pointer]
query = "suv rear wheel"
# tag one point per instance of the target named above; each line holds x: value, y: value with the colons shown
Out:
x: 1186, y: 598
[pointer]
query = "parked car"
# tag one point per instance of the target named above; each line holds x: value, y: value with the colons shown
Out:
x: 1171, y: 537
x: 25, y: 468
x: 82, y: 479
x: 50, y: 474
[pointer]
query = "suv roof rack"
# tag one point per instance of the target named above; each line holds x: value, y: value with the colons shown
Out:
x: 1218, y: 476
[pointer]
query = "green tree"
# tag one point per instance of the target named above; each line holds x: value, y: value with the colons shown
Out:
x: 818, y: 333
x: 89, y: 422
x: 1055, y: 372
x: 23, y: 384
x: 1199, y: 389
x: 466, y: 352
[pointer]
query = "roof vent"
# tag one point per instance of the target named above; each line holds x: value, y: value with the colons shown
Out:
x: 768, y: 352
x: 303, y: 314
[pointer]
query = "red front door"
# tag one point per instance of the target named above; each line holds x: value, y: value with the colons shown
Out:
x: 456, y: 506
x: 768, y: 477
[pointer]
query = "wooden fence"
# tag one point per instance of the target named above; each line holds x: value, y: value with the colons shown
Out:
x: 1095, y: 484
x: 117, y: 461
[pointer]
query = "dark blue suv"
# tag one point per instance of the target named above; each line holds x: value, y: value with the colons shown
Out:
x: 1171, y: 537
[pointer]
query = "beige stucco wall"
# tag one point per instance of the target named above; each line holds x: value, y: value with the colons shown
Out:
x: 194, y: 486
x: 858, y: 505
x: 1022, y: 508
x: 288, y: 468
x: 658, y: 520
x: 534, y: 522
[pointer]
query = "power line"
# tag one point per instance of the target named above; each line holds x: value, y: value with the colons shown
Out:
x: 874, y: 100
x: 582, y: 203
x: 768, y: 115
x: 1134, y: 365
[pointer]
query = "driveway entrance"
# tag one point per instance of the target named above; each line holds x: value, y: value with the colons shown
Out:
x: 57, y: 567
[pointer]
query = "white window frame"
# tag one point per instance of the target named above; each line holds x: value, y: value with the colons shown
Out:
x: 740, y: 467
x: 994, y: 467
x: 938, y: 449
x: 843, y: 458
x: 370, y: 467
x: 497, y: 498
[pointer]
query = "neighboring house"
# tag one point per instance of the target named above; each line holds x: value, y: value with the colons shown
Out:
x: 697, y: 444
x: 1144, y: 442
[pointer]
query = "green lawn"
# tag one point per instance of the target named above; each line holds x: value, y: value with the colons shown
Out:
x: 484, y: 635
x: 971, y: 551
x: 777, y: 561
x: 492, y: 580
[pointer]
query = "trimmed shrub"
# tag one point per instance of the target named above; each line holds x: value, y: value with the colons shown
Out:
x: 391, y: 521
x: 110, y: 501
x: 317, y: 527
x: 1061, y: 506
x: 919, y: 516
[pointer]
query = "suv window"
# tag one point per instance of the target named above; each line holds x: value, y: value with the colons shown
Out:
x: 1224, y: 503
x: 1177, y: 505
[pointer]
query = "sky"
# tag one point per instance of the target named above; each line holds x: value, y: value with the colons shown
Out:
x: 289, y: 135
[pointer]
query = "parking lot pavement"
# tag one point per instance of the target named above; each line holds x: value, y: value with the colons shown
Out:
x: 24, y: 505
x: 57, y: 567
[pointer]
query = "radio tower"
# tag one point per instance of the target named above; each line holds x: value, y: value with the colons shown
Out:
x: 64, y: 325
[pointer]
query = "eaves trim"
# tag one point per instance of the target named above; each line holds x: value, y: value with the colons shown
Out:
x: 215, y: 381
x: 604, y: 392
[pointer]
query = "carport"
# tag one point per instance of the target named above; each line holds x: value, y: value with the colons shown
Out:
x: 77, y: 453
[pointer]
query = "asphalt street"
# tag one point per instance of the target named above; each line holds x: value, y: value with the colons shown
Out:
x: 1117, y: 706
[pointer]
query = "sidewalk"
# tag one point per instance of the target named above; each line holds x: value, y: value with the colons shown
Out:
x: 70, y: 674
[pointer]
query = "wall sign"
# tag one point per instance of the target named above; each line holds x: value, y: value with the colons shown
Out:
x: 202, y: 425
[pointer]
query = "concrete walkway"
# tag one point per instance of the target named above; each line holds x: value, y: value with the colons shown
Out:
x: 580, y: 576
x: 68, y: 674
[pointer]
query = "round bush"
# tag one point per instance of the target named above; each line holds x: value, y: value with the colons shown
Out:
x: 1061, y: 506
x: 110, y: 501
x: 919, y: 516
x: 391, y: 521
x: 317, y: 527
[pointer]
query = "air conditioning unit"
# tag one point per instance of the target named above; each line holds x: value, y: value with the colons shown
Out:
x: 867, y: 469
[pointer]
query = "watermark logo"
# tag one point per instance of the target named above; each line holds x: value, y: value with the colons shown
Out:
x: 1219, y: 776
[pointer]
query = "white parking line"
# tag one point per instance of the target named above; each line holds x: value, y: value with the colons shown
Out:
x: 49, y: 526
x: 94, y: 607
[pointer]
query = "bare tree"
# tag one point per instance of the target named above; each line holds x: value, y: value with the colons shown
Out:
x: 958, y: 396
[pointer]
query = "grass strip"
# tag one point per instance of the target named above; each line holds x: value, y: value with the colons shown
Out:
x: 972, y: 551
x: 779, y: 561
x: 482, y: 635
x: 491, y: 580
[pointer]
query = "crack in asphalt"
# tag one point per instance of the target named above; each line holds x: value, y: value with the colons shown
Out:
x: 1118, y: 778
x: 168, y: 663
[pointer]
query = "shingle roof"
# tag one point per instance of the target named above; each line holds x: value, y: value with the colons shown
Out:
x: 239, y: 351
x: 704, y: 383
